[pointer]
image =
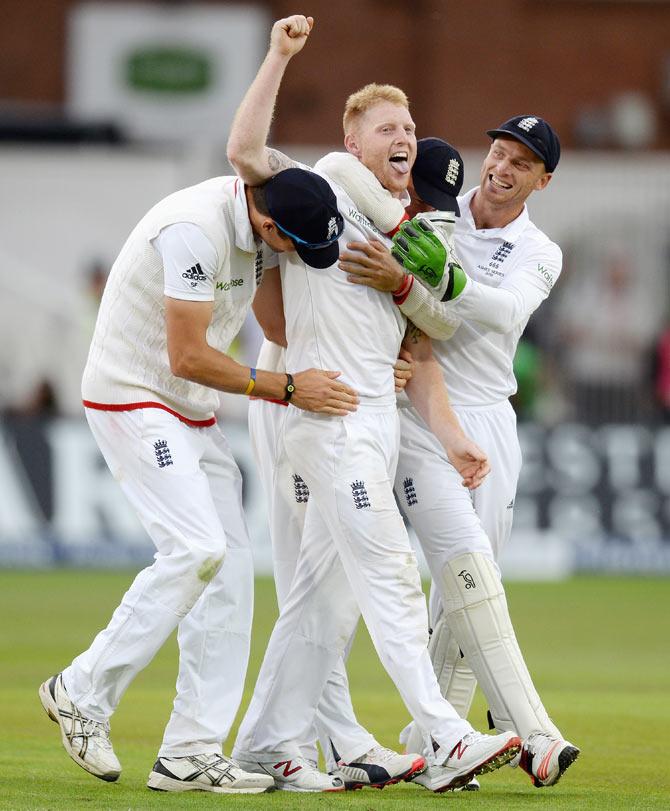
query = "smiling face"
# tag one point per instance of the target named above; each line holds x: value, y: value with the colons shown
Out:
x: 510, y: 172
x: 383, y: 139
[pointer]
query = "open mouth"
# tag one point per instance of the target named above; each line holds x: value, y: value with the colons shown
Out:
x: 499, y: 184
x: 400, y: 161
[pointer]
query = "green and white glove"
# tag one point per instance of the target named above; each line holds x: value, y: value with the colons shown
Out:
x: 424, y: 246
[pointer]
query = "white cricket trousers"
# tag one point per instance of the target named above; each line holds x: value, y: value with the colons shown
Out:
x: 450, y: 520
x: 287, y: 496
x: 186, y: 490
x: 355, y: 554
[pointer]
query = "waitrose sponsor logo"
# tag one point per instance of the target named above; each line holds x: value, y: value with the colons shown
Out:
x: 168, y: 70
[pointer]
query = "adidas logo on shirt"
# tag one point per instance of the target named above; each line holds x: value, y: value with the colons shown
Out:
x: 194, y: 274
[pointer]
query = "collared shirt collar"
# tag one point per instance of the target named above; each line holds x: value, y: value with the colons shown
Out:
x: 509, y: 233
x: 245, y: 239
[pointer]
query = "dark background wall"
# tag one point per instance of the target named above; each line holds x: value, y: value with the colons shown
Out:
x: 466, y: 64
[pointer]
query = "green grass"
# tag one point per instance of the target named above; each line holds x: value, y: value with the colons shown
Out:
x: 599, y: 650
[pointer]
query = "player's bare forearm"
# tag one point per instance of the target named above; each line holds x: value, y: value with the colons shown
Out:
x: 428, y: 394
x: 371, y: 264
x: 246, y: 148
x: 192, y: 358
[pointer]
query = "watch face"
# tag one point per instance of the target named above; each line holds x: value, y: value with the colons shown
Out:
x: 290, y: 388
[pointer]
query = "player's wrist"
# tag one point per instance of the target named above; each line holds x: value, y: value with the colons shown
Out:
x: 251, y: 385
x: 290, y: 388
x: 401, y: 293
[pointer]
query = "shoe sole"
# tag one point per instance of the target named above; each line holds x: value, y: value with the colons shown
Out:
x: 290, y: 787
x: 566, y: 758
x: 159, y: 782
x: 51, y: 709
x: 495, y: 761
x: 417, y: 767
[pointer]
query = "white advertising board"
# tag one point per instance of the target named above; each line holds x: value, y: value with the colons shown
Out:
x: 163, y: 71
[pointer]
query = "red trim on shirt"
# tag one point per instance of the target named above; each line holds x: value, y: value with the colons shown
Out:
x: 270, y: 400
x: 135, y: 406
x: 404, y: 218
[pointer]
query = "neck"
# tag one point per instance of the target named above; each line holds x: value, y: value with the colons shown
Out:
x: 490, y: 216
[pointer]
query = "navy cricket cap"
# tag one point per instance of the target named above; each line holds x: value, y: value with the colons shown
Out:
x: 304, y: 208
x: 437, y: 174
x: 536, y: 134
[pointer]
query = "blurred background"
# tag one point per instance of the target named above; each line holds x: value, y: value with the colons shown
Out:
x: 105, y: 107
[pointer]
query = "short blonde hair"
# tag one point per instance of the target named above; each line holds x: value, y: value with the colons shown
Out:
x: 362, y: 100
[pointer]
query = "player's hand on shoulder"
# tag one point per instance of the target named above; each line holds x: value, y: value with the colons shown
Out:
x: 289, y: 34
x: 320, y: 391
x: 371, y: 264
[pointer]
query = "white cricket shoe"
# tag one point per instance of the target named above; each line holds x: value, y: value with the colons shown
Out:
x: 378, y: 768
x: 209, y: 772
x: 474, y: 754
x: 545, y: 758
x: 292, y: 773
x: 86, y: 741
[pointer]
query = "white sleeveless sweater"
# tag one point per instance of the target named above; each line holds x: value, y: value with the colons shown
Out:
x: 128, y: 363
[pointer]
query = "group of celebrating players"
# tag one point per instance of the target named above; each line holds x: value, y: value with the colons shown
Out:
x: 405, y: 331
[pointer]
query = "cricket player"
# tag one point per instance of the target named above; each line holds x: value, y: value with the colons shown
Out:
x: 341, y: 737
x: 175, y: 298
x: 475, y: 321
x: 355, y: 553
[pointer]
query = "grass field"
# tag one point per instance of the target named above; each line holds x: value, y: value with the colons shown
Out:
x: 599, y: 649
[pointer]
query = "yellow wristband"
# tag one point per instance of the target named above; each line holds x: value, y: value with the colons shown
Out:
x: 252, y: 381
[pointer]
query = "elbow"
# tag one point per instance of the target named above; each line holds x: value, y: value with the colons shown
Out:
x: 276, y: 335
x: 183, y: 365
x: 246, y: 168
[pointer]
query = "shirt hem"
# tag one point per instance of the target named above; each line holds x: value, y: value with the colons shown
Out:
x: 149, y: 404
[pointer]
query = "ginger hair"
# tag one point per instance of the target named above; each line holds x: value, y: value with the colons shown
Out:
x: 362, y: 100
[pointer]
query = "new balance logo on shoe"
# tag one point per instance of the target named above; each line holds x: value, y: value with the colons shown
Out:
x: 162, y: 452
x: 287, y: 764
x: 459, y: 750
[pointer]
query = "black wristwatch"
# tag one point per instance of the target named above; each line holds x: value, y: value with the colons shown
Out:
x: 290, y: 387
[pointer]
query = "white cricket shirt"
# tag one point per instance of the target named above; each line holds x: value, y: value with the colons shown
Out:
x: 514, y: 269
x: 128, y: 365
x: 335, y: 325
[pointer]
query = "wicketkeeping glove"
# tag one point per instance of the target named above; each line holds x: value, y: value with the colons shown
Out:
x: 424, y: 246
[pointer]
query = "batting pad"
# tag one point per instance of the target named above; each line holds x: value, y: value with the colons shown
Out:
x: 456, y: 679
x: 476, y: 611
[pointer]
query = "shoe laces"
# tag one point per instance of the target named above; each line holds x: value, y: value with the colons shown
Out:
x: 471, y: 738
x: 90, y: 728
x: 538, y: 741
x: 380, y: 754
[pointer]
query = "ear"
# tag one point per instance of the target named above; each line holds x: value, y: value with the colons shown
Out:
x: 267, y: 227
x: 351, y: 144
x: 542, y: 182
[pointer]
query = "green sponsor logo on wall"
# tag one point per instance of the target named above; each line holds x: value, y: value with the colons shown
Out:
x: 168, y: 70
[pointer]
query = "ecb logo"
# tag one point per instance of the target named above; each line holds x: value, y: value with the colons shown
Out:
x: 332, y: 228
x: 468, y: 579
x: 452, y: 172
x: 527, y: 124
